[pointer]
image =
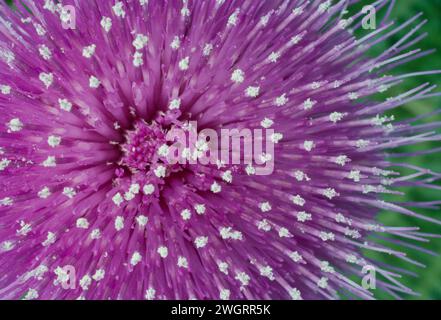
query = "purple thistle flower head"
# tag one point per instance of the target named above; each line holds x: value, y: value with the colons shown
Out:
x: 92, y: 204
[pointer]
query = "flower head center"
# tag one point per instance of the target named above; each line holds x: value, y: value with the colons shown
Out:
x: 142, y: 149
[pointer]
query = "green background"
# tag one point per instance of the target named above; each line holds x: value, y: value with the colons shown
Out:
x: 428, y: 282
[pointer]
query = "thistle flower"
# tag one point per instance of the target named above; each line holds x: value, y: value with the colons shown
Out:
x: 85, y: 181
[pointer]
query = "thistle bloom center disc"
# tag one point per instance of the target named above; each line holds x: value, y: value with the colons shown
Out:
x: 189, y: 149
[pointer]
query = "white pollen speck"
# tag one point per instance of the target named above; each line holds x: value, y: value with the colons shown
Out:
x: 281, y: 100
x: 136, y: 258
x: 184, y: 64
x: 118, y: 199
x: 263, y: 225
x: 303, y: 216
x: 224, y: 294
x: 323, y: 7
x: 106, y: 23
x: 95, y: 234
x: 176, y: 43
x: 238, y: 76
x: 243, y: 278
x: 94, y: 82
x: 15, y: 125
x: 284, y: 233
x: 325, y: 236
x: 200, y: 209
x: 227, y: 176
x: 295, y: 256
x: 298, y: 200
x: 354, y: 175
x: 45, y: 52
x: 128, y: 196
x: 300, y: 176
x: 322, y: 283
x: 39, y: 29
x: 142, y: 220
x: 44, y: 193
x: 215, y: 188
x: 250, y: 170
x: 267, y: 272
x: 50, y: 239
x: 208, y: 47
x: 336, y: 116
x: 297, y: 11
x: 350, y: 258
x: 263, y: 22
x: 201, y: 242
x: 138, y: 60
x: 134, y: 188
x: 276, y: 137
x: 353, y: 96
x: 6, y: 202
x: 65, y: 13
x: 315, y: 85
x: 163, y: 252
x: 4, y: 163
x: 232, y: 19
x: 174, y: 104
x: 99, y: 275
x: 7, y: 246
x: 330, y: 193
x: 266, y: 123
x: 140, y: 41
x: 185, y: 12
x: 150, y: 294
x: 182, y: 262
x: 163, y: 150
x: 31, y: 294
x: 118, y: 9
x: 160, y: 171
x: 46, y: 78
x: 5, y: 89
x: 274, y: 57
x: 85, y: 282
x: 186, y: 214
x: 308, y: 104
x: 362, y: 143
x: 308, y: 145
x: 65, y: 104
x: 69, y: 192
x: 295, y: 40
x: 342, y: 160
x: 148, y: 189
x: 53, y: 141
x: 25, y: 229
x: 229, y: 233
x: 49, y: 162
x: 82, y: 223
x: 265, y: 157
x: 223, y: 267
x: 265, y: 206
x: 336, y: 84
x: 252, y: 92
x: 119, y: 223
x: 89, y: 51
x: 295, y: 294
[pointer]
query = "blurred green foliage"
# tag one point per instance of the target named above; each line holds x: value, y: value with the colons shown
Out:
x: 428, y: 282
